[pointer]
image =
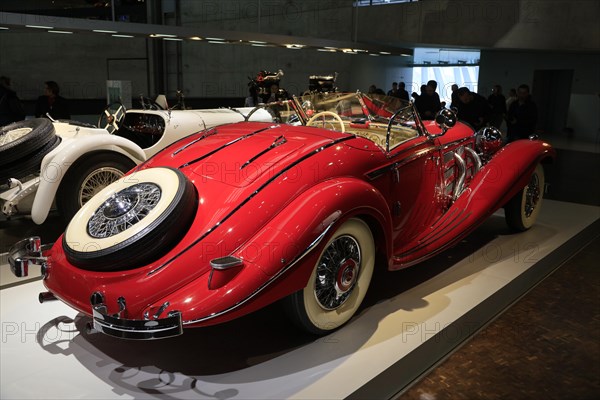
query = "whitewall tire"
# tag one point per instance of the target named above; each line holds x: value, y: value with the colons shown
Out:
x: 339, y: 280
x: 522, y: 210
x: 132, y: 221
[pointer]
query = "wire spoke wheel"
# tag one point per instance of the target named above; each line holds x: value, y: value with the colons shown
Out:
x: 337, y: 272
x: 96, y: 181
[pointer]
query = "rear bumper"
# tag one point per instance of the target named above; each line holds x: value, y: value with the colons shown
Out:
x: 136, y: 329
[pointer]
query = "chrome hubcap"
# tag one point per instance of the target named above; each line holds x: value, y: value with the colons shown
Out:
x: 337, y: 272
x: 532, y: 195
x: 12, y: 135
x: 123, y: 210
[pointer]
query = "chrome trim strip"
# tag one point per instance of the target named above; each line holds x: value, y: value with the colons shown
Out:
x: 278, y: 142
x: 298, y: 258
x: 246, y: 200
x: 210, y: 153
x: 211, y: 132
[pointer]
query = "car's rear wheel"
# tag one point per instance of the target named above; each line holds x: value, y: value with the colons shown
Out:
x: 87, y: 177
x: 339, y: 280
x: 522, y: 210
x: 132, y: 221
x: 24, y: 138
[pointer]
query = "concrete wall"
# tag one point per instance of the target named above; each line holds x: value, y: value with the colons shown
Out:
x: 512, y: 68
x: 331, y: 19
x: 79, y: 64
x: 507, y: 24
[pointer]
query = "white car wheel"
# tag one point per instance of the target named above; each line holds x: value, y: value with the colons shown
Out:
x: 339, y: 280
x: 522, y: 210
x: 132, y: 221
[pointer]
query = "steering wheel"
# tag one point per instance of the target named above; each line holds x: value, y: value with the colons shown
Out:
x: 113, y: 119
x: 149, y: 104
x: 314, y: 120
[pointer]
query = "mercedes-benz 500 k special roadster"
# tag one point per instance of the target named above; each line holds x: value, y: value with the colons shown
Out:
x: 301, y: 209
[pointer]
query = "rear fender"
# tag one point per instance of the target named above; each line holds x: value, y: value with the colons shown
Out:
x: 307, y: 217
x: 56, y: 164
x: 279, y: 259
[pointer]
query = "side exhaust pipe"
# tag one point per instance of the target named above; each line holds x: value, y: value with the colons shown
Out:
x: 46, y: 296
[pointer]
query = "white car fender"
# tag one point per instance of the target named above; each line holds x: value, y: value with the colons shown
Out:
x: 56, y: 164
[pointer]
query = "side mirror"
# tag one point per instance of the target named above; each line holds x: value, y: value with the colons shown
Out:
x: 445, y: 119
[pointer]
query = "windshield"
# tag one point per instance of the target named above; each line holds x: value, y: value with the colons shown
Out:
x: 368, y: 116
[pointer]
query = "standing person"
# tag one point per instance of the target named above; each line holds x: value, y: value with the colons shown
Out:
x: 252, y: 99
x: 522, y: 115
x: 454, y: 96
x: 51, y: 103
x: 428, y: 103
x: 402, y: 93
x: 512, y: 96
x: 497, y: 103
x: 11, y: 109
x: 472, y: 108
x: 393, y: 92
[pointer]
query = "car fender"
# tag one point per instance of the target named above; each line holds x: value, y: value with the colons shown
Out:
x: 56, y: 164
x: 279, y: 259
x: 492, y: 187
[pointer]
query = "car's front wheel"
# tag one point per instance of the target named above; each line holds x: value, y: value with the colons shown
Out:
x: 339, y: 280
x: 522, y: 210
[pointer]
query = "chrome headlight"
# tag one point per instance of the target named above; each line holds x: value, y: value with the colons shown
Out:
x: 488, y: 141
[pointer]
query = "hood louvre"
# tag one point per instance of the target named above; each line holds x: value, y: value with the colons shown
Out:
x: 276, y: 143
x: 210, y: 153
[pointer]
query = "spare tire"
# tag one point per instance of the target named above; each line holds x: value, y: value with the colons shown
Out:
x: 131, y: 222
x: 22, y: 138
x: 30, y: 164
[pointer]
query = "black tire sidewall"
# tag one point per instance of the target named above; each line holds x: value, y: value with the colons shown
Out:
x: 42, y: 132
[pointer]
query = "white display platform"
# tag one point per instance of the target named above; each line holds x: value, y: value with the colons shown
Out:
x: 44, y: 354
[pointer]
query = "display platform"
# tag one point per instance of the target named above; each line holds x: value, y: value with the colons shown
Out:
x: 411, y: 319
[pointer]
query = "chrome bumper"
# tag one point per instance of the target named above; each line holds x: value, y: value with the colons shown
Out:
x: 23, y: 253
x: 122, y: 328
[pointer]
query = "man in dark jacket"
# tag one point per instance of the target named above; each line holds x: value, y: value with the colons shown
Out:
x: 522, y: 116
x: 472, y: 108
x: 428, y: 103
x: 11, y: 109
x: 51, y: 103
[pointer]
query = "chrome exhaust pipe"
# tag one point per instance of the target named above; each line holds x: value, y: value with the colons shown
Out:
x: 46, y: 296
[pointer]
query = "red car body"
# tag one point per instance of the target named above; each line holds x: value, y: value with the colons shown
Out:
x: 271, y: 194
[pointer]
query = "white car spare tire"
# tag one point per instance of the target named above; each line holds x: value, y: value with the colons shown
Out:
x: 131, y: 222
x: 20, y: 139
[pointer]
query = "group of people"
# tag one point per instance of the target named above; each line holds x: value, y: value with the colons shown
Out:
x: 51, y: 104
x: 519, y: 111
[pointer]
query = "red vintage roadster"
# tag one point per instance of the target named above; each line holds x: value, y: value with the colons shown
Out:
x: 236, y: 217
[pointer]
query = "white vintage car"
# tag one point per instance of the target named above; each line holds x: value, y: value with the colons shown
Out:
x: 60, y: 163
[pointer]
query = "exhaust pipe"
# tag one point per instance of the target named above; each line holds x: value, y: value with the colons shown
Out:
x: 46, y: 296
